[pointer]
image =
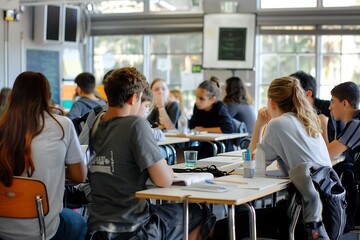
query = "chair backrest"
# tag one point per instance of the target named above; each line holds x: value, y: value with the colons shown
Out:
x: 240, y: 127
x: 25, y: 198
x: 171, y: 152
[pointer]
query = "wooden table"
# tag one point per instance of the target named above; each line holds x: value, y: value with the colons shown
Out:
x: 208, y: 136
x: 173, y: 140
x: 236, y: 196
x: 238, y: 153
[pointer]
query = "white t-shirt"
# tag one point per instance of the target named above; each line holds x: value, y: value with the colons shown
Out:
x: 287, y: 141
x: 50, y: 154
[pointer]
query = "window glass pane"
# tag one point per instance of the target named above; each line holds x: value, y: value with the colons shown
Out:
x: 350, y: 44
x: 268, y: 43
x: 287, y: 27
x: 287, y: 3
x: 173, y: 5
x: 287, y: 65
x: 119, y: 6
x: 263, y: 95
x: 170, y: 67
x: 287, y: 43
x: 117, y: 51
x: 176, y: 43
x: 324, y: 92
x: 308, y: 64
x: 306, y: 43
x: 331, y: 44
x: 269, y: 68
x: 342, y: 3
x: 350, y: 68
x: 330, y: 71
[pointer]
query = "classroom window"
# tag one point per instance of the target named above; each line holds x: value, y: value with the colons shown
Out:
x: 338, y: 57
x: 117, y: 51
x: 282, y: 55
x: 342, y: 3
x: 119, y: 6
x: 171, y: 57
x: 287, y: 3
x: 173, y: 5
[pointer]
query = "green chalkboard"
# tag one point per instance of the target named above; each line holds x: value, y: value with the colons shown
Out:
x: 48, y: 63
x: 232, y: 44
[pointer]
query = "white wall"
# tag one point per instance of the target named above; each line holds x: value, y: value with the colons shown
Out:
x: 20, y: 39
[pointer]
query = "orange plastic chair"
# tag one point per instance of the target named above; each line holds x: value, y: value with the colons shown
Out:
x: 25, y: 198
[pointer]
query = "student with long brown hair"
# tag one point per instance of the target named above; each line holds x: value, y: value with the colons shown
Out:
x: 37, y: 144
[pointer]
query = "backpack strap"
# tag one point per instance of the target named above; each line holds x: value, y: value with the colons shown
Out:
x: 93, y: 129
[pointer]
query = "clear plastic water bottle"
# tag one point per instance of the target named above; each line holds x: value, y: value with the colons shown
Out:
x: 183, y: 124
x: 260, y: 163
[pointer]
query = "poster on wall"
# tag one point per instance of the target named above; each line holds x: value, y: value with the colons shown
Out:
x: 229, y: 41
x: 48, y: 63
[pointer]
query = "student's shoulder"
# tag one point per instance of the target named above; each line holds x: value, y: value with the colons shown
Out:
x: 283, y: 121
x: 63, y: 120
x: 173, y: 105
x: 218, y: 105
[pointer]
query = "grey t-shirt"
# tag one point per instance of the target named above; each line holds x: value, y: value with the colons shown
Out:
x: 287, y: 141
x: 243, y: 113
x: 124, y: 149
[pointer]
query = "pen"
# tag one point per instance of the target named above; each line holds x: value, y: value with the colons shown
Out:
x: 210, y: 182
x: 219, y: 184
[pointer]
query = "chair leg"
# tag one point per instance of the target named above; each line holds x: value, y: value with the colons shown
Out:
x: 40, y: 212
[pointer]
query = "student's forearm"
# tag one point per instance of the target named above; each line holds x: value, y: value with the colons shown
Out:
x: 256, y: 136
x: 165, y: 119
x: 213, y: 129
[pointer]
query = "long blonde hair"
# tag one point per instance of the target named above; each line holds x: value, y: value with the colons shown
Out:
x: 290, y: 97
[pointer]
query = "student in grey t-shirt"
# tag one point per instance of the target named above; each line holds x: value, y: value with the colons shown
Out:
x: 124, y: 155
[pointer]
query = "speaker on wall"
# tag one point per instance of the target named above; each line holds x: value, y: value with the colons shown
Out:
x: 71, y: 23
x: 47, y: 23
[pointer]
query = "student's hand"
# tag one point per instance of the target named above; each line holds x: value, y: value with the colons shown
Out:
x: 263, y: 117
x: 198, y: 128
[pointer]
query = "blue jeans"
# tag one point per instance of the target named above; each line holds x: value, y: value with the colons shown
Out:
x: 72, y: 226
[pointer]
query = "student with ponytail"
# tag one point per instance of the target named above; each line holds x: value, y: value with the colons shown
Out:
x: 209, y: 113
x: 293, y: 138
x: 293, y: 132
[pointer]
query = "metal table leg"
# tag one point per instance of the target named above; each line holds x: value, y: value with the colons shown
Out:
x: 252, y: 221
x: 231, y: 218
x: 186, y: 218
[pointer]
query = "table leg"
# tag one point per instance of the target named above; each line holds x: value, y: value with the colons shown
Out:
x: 252, y: 221
x: 186, y: 218
x: 231, y: 217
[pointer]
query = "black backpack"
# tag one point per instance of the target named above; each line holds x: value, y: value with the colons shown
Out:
x: 332, y: 195
x: 350, y: 179
x: 79, y: 122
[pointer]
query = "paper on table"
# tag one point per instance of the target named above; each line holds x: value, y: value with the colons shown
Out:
x: 186, y: 179
x: 249, y: 183
x: 208, y: 187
